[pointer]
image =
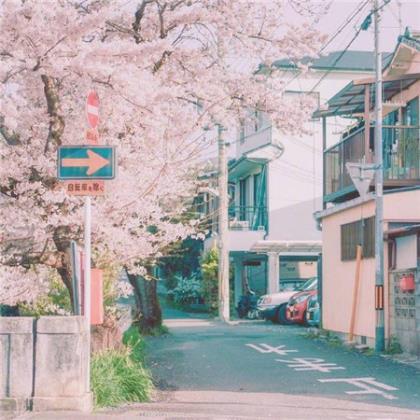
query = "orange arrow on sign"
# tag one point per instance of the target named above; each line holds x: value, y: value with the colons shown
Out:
x: 94, y: 162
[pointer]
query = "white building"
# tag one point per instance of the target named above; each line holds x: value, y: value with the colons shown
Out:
x: 275, y: 181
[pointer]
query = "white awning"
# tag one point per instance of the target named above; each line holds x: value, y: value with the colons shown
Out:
x: 288, y: 247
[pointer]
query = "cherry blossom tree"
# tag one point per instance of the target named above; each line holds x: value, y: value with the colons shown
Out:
x: 153, y: 65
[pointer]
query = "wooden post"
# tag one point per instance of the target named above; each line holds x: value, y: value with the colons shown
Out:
x: 355, y: 292
x: 368, y: 152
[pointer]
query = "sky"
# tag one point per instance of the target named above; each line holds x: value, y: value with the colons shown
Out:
x: 396, y: 16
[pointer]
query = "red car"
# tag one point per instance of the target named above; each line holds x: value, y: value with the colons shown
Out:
x: 296, y: 307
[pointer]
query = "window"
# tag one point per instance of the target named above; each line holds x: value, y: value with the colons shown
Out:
x: 243, y: 185
x: 411, y: 112
x: 351, y: 236
x: 242, y: 132
x: 257, y: 180
x: 256, y: 120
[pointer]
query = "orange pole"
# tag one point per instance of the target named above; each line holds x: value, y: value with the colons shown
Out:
x: 355, y: 291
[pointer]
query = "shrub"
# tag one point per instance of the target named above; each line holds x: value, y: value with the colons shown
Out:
x: 187, y: 291
x: 394, y: 346
x: 209, y: 263
x: 119, y: 376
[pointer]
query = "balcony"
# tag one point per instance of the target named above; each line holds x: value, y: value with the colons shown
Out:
x: 401, y: 159
x: 247, y: 225
x: 262, y: 144
x: 247, y: 218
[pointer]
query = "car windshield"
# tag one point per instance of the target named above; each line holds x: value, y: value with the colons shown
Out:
x: 309, y: 284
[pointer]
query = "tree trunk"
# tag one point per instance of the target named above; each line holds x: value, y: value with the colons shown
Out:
x: 149, y: 314
x: 62, y: 244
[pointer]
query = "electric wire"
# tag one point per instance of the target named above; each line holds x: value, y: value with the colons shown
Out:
x: 341, y: 28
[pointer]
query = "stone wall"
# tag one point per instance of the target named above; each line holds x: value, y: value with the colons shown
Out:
x: 44, y: 364
x: 405, y: 312
x: 16, y: 362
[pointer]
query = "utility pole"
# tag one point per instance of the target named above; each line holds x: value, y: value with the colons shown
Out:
x: 379, y: 243
x: 223, y: 266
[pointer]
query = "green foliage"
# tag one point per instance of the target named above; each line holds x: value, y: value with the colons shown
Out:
x: 133, y: 339
x: 110, y: 276
x: 55, y: 302
x: 209, y: 264
x: 187, y: 290
x: 118, y: 376
x: 183, y: 258
x: 394, y: 346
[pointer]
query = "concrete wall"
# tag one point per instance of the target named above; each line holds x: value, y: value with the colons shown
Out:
x: 338, y: 276
x: 44, y: 364
x: 61, y: 364
x: 16, y: 362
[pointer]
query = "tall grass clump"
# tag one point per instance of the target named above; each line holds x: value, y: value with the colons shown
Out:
x: 119, y: 376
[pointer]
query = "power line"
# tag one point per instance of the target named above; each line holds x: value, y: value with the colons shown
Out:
x: 341, y: 28
x: 335, y: 61
x: 359, y: 8
x: 363, y: 27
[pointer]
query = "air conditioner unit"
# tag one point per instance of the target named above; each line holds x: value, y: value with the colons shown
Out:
x: 239, y: 224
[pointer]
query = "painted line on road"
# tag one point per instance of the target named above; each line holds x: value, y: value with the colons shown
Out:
x: 265, y: 348
x: 366, y: 385
x: 311, y: 363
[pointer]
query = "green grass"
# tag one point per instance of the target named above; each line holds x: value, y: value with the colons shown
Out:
x: 119, y: 376
x: 394, y: 346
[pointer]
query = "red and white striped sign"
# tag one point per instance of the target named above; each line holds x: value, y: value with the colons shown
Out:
x: 92, y: 109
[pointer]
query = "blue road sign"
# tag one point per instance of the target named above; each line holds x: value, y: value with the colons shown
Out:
x: 86, y: 162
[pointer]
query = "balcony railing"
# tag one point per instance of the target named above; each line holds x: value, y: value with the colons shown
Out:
x: 247, y: 218
x: 401, y: 158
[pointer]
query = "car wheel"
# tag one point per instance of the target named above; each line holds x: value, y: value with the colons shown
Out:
x: 305, y: 321
x: 281, y: 315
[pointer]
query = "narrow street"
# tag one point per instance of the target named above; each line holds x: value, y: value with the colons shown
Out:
x: 204, y: 369
x: 259, y: 370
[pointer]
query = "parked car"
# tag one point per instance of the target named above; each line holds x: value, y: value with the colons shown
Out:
x: 297, y: 306
x: 313, y: 311
x: 272, y: 307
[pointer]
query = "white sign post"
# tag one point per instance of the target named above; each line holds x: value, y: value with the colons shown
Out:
x: 92, y: 116
x: 362, y: 175
x: 87, y: 290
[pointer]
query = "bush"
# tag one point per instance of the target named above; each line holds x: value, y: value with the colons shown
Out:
x: 209, y: 263
x: 119, y: 376
x: 187, y: 291
x: 394, y: 346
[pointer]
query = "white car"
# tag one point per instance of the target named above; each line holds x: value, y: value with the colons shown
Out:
x: 268, y: 305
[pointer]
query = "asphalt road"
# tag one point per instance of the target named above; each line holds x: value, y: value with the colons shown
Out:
x: 208, y: 359
x: 207, y: 370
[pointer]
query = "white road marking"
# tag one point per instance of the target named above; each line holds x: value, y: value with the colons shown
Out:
x: 311, y: 363
x: 367, y: 386
x: 265, y: 348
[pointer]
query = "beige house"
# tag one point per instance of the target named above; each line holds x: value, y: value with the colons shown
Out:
x: 347, y: 220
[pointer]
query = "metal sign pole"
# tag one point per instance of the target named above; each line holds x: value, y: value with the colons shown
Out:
x: 87, y: 282
x: 379, y: 234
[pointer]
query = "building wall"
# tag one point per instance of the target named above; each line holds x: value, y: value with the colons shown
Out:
x: 338, y: 276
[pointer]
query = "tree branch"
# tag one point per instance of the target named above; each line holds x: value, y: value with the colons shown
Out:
x: 137, y: 22
x: 53, y: 103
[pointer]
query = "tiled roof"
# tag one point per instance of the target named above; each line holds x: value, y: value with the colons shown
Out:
x: 351, y: 60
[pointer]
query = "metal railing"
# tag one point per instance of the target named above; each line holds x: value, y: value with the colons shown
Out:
x: 401, y: 157
x: 247, y: 217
